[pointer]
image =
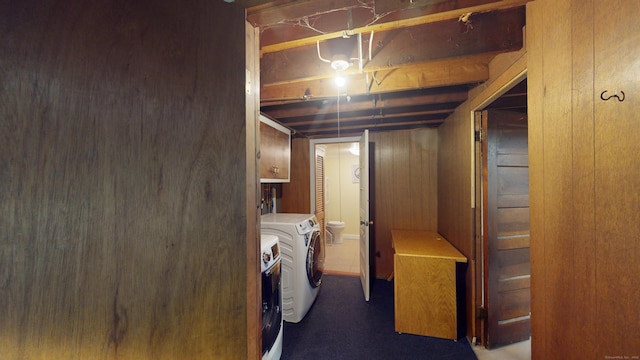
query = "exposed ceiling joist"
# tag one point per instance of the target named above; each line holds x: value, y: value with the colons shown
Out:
x: 425, y: 56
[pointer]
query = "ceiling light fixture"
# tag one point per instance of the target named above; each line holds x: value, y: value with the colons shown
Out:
x: 340, y: 63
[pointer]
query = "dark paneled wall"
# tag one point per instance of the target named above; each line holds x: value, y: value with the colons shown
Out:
x: 295, y: 194
x: 123, y: 207
x: 404, y: 188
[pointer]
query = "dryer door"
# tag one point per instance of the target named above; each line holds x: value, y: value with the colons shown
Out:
x: 315, y: 259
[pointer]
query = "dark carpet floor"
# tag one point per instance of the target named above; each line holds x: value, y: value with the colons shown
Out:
x: 341, y: 325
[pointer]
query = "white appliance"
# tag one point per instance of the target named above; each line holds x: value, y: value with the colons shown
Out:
x: 302, y: 251
x: 271, y: 297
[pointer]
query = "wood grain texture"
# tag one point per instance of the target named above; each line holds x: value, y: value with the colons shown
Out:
x: 507, y: 237
x: 557, y: 157
x: 455, y: 145
x: 535, y: 95
x: 455, y: 214
x: 584, y: 254
x: 118, y: 138
x: 424, y: 244
x: 295, y: 194
x: 425, y: 301
x: 617, y: 178
x: 405, y: 186
x: 253, y: 262
x: 275, y: 154
x: 584, y: 201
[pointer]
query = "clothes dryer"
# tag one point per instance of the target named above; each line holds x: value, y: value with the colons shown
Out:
x: 302, y: 252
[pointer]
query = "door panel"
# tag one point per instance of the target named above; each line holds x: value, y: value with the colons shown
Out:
x: 507, y: 293
x: 364, y: 215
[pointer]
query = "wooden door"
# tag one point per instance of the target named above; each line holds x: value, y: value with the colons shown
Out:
x: 507, y: 286
x: 365, y: 276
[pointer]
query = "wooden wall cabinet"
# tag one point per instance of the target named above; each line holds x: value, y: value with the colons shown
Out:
x: 425, y: 298
x: 275, y: 151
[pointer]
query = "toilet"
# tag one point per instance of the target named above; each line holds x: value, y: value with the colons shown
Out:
x: 334, y: 232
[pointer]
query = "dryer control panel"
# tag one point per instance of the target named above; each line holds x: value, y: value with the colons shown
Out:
x: 270, y: 251
x: 307, y: 226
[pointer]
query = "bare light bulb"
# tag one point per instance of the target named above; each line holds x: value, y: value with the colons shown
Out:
x: 340, y: 81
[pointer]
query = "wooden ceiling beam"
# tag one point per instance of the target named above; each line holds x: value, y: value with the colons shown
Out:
x: 284, y: 33
x: 492, y: 32
x: 424, y: 115
x: 358, y: 129
x: 369, y: 103
x: 472, y: 69
x: 294, y: 12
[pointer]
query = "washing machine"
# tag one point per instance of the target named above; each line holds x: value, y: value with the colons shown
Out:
x: 271, y: 297
x: 302, y: 252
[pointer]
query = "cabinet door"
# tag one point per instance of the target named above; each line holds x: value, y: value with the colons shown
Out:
x: 275, y: 151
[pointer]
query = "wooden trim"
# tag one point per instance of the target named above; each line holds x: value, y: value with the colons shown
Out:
x: 513, y: 74
x: 254, y: 284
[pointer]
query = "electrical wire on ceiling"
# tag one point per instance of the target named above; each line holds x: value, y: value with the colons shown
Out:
x: 309, y: 21
x: 339, y: 160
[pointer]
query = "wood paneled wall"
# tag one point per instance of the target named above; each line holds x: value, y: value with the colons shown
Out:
x: 404, y: 188
x: 123, y: 210
x: 585, y: 178
x: 295, y: 194
x: 456, y: 219
x: 455, y: 213
x: 404, y: 184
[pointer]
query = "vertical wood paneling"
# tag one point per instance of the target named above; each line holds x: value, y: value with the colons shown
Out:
x: 405, y: 178
x: 617, y: 177
x: 535, y: 94
x: 558, y: 165
x: 455, y: 215
x: 295, y: 194
x: 402, y: 193
x: 382, y: 216
x: 125, y: 231
x: 584, y: 202
x: 454, y: 176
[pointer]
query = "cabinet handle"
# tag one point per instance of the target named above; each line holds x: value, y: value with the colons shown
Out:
x: 275, y: 171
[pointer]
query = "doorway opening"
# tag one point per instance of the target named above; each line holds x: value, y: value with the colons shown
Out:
x: 502, y: 219
x: 336, y: 181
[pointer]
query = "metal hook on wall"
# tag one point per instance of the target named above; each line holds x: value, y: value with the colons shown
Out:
x: 612, y: 96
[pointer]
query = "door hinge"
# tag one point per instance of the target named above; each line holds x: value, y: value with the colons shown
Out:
x: 481, y: 313
x: 480, y: 135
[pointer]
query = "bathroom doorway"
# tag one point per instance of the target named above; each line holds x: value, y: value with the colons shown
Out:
x: 340, y: 181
